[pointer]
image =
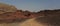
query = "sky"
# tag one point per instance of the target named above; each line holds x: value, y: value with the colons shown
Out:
x: 33, y: 5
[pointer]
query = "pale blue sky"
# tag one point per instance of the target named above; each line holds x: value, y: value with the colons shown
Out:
x: 34, y: 5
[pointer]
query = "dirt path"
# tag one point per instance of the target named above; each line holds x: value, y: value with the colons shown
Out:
x: 31, y: 22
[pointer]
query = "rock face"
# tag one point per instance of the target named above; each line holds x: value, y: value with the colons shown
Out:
x: 6, y: 8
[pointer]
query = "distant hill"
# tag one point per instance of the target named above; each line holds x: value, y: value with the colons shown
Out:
x: 7, y: 8
x: 51, y: 12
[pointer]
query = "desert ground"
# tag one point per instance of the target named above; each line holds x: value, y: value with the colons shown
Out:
x: 29, y: 22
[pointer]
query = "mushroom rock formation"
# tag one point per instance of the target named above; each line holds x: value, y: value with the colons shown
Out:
x: 7, y: 8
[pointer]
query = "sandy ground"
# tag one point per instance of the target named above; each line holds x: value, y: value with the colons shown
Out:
x: 29, y: 22
x: 9, y: 24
